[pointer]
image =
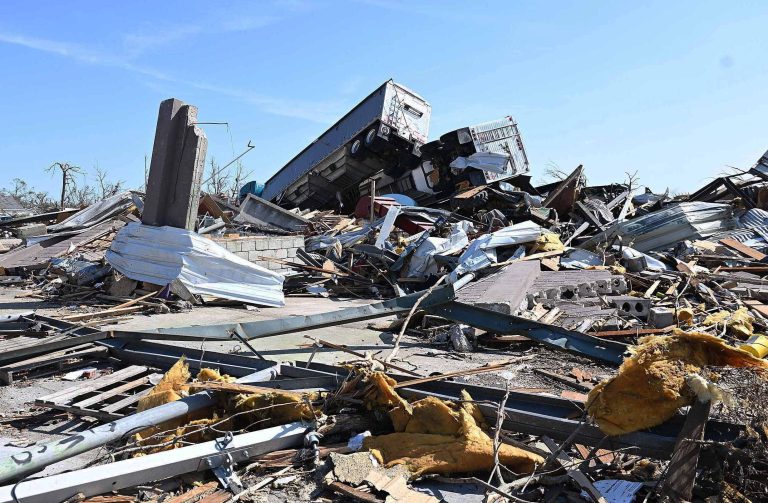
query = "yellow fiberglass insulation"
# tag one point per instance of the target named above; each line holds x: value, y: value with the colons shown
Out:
x: 650, y: 385
x: 739, y: 322
x: 436, y: 436
x: 169, y: 389
x: 275, y: 407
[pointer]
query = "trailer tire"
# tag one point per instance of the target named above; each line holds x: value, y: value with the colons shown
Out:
x: 370, y: 137
x: 356, y: 149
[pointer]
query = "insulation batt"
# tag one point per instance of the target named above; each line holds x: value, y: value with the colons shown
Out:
x: 436, y: 436
x: 265, y: 408
x: 651, y: 384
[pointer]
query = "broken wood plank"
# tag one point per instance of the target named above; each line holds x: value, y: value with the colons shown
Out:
x: 353, y: 493
x: 135, y: 301
x: 632, y: 331
x: 112, y: 392
x: 66, y: 396
x: 459, y: 373
x: 758, y: 269
x: 564, y: 380
x: 193, y: 494
x: 105, y: 313
x: 745, y: 250
x: 652, y: 289
x: 757, y: 306
x: 681, y: 473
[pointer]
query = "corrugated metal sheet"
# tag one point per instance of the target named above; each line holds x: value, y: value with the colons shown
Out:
x: 96, y: 213
x: 38, y: 254
x: 664, y: 228
x: 160, y: 255
x: 754, y: 217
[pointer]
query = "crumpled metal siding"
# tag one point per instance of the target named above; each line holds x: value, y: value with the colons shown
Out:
x: 664, y: 228
x: 97, y: 212
x: 160, y: 255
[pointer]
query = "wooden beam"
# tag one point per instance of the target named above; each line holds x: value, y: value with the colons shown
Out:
x: 103, y: 314
x: 743, y: 249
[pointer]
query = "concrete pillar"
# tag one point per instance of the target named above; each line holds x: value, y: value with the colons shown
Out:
x: 178, y: 162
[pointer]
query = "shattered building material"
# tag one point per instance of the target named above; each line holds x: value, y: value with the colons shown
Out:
x: 664, y: 228
x: 176, y: 169
x: 564, y: 195
x: 96, y: 213
x: 30, y: 230
x: 39, y: 254
x: 505, y: 291
x: 162, y: 255
x: 260, y: 211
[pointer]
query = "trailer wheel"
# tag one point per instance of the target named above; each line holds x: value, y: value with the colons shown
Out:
x: 356, y: 149
x: 370, y: 137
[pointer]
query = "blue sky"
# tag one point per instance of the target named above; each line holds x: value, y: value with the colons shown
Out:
x: 674, y: 90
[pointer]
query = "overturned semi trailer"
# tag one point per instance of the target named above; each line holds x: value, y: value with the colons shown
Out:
x: 381, y: 133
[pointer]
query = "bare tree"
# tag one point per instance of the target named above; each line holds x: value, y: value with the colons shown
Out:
x: 29, y: 197
x: 217, y: 180
x: 67, y: 176
x: 554, y: 173
x: 80, y: 196
x: 237, y: 182
x: 106, y: 188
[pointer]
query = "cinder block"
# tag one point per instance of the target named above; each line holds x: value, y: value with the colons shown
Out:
x: 282, y: 253
x: 269, y: 253
x: 253, y: 256
x: 261, y: 243
x: 248, y: 245
x: 661, y: 317
x: 273, y: 243
x: 242, y: 254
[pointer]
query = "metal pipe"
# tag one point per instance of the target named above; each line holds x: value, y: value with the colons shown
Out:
x: 37, y: 458
x: 221, y: 454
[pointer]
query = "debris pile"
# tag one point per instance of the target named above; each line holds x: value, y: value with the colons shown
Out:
x: 555, y: 342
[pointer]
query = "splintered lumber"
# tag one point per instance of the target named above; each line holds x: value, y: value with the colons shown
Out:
x: 632, y: 331
x: 135, y: 301
x: 681, y: 474
x: 105, y: 313
x: 355, y: 494
x: 563, y: 380
x: 743, y: 249
x: 757, y: 306
x: 459, y: 373
x: 361, y: 355
x: 231, y: 387
x: 757, y: 269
